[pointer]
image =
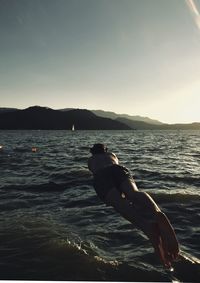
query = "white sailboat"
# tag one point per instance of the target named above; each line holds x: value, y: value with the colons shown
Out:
x: 73, y: 128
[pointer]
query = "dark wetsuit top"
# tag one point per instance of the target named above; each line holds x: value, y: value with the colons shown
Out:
x: 109, y: 177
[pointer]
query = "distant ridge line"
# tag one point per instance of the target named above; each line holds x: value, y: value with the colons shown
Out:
x: 38, y: 117
x: 44, y: 118
x: 113, y: 115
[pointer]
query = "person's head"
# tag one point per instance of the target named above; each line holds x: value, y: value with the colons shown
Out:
x: 98, y: 148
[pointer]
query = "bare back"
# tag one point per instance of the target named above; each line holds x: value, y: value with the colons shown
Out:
x: 99, y: 161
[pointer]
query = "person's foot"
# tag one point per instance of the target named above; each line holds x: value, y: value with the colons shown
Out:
x: 162, y: 236
x: 169, y: 240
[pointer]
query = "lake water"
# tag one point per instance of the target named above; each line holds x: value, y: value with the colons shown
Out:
x: 54, y: 227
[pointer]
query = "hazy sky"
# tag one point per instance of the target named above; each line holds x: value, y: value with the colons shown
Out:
x: 140, y: 57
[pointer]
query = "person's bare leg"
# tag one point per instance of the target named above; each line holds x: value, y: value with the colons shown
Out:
x: 148, y: 209
x: 125, y: 208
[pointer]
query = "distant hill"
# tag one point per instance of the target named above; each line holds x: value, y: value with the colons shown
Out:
x: 113, y: 115
x: 139, y: 125
x: 6, y: 109
x: 37, y: 117
x: 189, y: 126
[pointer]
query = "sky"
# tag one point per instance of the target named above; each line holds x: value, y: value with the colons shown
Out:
x: 138, y: 57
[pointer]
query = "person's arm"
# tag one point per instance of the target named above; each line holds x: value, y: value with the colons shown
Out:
x: 115, y: 157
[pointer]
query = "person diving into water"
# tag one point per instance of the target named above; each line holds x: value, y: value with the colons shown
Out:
x: 115, y: 186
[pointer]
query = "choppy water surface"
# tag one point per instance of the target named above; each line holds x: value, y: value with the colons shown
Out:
x: 53, y: 226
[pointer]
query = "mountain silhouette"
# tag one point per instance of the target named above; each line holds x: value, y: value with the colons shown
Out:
x: 114, y: 116
x: 44, y: 118
x: 140, y: 125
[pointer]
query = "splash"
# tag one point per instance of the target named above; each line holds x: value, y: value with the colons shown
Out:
x: 195, y: 12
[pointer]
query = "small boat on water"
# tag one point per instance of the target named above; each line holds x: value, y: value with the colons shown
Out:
x: 73, y: 128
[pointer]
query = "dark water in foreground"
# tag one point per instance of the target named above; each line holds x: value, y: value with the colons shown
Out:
x: 53, y: 227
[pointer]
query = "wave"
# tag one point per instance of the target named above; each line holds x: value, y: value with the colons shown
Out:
x: 44, y: 243
x: 187, y: 268
x: 41, y: 250
x: 181, y: 196
x: 167, y: 177
x: 85, y: 183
